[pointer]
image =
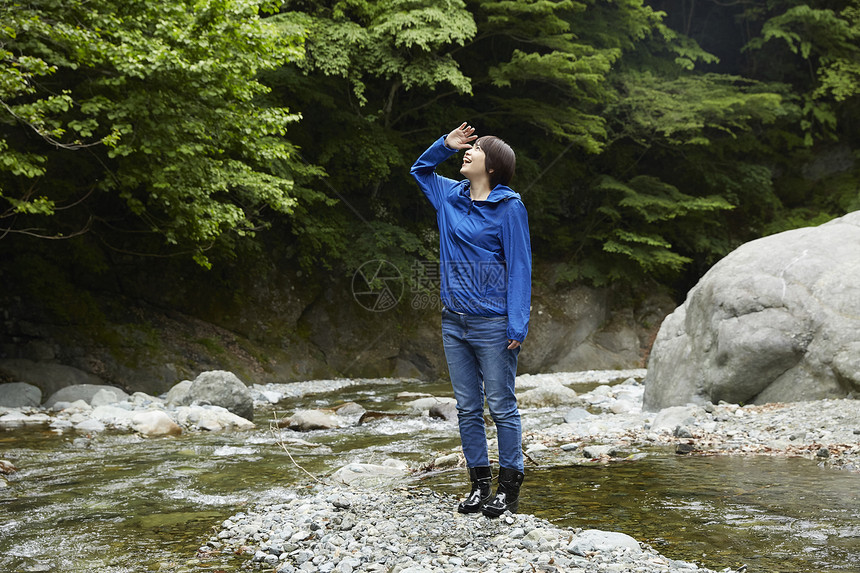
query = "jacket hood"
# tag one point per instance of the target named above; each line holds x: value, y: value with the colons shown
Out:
x: 497, y: 195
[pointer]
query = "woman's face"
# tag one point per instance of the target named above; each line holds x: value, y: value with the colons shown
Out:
x: 474, y: 162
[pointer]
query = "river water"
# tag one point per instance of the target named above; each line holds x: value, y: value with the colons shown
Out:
x: 121, y: 503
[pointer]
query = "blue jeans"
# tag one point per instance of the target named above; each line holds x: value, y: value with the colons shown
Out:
x: 480, y: 364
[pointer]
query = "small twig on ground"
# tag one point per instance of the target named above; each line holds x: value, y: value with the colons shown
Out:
x: 272, y: 427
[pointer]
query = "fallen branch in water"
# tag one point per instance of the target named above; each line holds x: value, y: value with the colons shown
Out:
x: 276, y: 426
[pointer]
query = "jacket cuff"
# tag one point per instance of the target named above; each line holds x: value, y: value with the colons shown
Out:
x: 519, y: 336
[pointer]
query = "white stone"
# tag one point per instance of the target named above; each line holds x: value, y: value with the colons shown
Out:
x: 424, y: 404
x: 603, y: 541
x: 85, y: 392
x: 13, y: 418
x: 90, y: 426
x: 144, y: 400
x: 544, y: 396
x: 308, y: 420
x: 210, y: 418
x: 154, y: 423
x: 104, y: 397
x: 75, y: 407
x: 368, y: 475
x: 112, y: 416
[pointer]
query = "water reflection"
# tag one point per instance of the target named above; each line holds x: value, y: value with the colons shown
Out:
x: 771, y: 514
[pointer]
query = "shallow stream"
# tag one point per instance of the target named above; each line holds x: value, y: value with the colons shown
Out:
x: 122, y: 503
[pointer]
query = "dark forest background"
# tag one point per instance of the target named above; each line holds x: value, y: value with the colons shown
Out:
x: 199, y: 141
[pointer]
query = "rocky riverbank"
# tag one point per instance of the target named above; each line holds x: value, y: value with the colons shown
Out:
x: 403, y: 528
x: 366, y: 517
x: 334, y: 529
x: 609, y: 424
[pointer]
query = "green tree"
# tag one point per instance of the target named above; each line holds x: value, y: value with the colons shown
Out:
x: 822, y: 40
x: 630, y: 188
x: 382, y: 79
x: 143, y: 117
x: 368, y: 66
x: 807, y: 51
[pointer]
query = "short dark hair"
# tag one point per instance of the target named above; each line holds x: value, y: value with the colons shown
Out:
x: 500, y: 159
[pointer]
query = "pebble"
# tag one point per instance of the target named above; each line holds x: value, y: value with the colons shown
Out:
x: 412, y: 530
x: 417, y: 531
x: 820, y: 430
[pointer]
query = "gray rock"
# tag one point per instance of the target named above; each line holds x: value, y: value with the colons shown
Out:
x: 778, y: 319
x: 581, y: 328
x: 85, y: 392
x: 19, y: 395
x: 551, y: 395
x: 682, y: 449
x: 221, y: 388
x: 349, y: 410
x: 104, y: 397
x: 424, y: 404
x: 668, y: 419
x: 309, y: 420
x: 598, y: 451
x: 682, y: 432
x: 177, y: 395
x: 577, y: 415
x: 47, y: 376
x: 446, y: 411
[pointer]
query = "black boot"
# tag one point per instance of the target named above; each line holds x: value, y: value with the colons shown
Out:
x: 507, y: 496
x: 482, y: 481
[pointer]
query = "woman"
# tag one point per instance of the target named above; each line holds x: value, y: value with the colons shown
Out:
x: 485, y: 267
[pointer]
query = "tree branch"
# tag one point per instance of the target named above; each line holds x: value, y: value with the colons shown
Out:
x: 46, y: 137
x: 36, y: 232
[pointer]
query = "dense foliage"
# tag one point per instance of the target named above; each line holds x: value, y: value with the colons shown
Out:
x: 142, y: 117
x: 652, y: 137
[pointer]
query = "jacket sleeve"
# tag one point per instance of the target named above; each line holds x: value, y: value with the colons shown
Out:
x: 424, y: 171
x: 518, y: 256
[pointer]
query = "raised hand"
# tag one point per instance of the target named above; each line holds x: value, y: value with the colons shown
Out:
x: 460, y: 137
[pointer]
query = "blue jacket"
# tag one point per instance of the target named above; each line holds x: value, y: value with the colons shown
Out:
x: 484, y: 247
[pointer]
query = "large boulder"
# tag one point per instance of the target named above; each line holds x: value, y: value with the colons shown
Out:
x: 777, y: 320
x: 19, y: 394
x: 47, y: 376
x: 220, y: 388
x: 87, y: 393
